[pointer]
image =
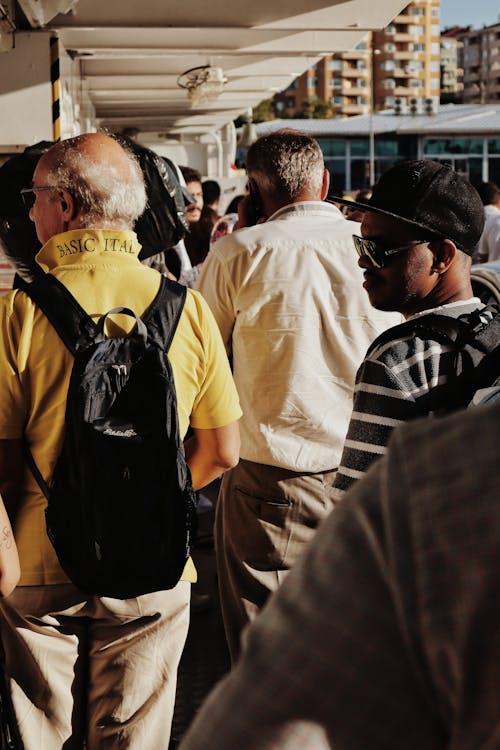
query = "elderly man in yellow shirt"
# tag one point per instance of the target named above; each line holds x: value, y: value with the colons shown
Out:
x: 85, y: 669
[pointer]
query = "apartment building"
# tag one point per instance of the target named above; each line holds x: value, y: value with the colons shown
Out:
x: 479, y: 56
x: 398, y: 64
x: 452, y: 74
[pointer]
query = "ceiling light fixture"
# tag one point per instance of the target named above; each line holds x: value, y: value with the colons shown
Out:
x: 204, y: 83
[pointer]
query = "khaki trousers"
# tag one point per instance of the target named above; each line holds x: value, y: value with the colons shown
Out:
x: 93, y: 670
x: 265, y: 517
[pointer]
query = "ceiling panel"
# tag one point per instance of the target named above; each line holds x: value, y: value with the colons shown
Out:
x: 130, y: 54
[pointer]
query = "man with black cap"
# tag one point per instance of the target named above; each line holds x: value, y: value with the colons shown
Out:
x: 419, y: 230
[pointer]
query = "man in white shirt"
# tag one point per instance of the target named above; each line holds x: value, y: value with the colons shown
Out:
x: 287, y: 295
x: 488, y: 248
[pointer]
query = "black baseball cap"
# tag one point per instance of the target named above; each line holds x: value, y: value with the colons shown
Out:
x: 430, y: 196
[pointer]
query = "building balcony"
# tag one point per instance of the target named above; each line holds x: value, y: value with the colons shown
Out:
x: 404, y: 91
x: 355, y: 72
x: 354, y: 109
x: 405, y: 55
x: 402, y: 37
x: 403, y: 73
x: 355, y: 91
x: 404, y: 18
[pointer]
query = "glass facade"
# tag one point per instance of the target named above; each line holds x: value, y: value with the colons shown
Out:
x: 348, y: 158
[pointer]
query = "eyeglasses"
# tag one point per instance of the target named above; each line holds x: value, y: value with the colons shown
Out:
x: 29, y: 194
x: 378, y: 255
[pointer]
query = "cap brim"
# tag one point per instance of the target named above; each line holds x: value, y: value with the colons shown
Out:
x: 373, y: 209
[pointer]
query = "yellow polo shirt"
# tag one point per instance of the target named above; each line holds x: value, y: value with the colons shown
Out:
x: 101, y: 269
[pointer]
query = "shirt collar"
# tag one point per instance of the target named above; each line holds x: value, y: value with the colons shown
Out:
x: 88, y: 247
x: 309, y: 208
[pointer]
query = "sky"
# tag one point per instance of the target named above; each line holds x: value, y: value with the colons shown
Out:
x: 475, y: 13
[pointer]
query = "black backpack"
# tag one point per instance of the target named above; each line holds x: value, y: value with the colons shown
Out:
x: 475, y: 338
x: 120, y: 504
x: 163, y: 222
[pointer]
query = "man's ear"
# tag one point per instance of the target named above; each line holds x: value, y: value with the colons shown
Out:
x: 326, y: 184
x: 444, y: 252
x: 68, y: 205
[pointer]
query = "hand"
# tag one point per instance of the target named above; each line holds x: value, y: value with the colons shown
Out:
x: 246, y: 214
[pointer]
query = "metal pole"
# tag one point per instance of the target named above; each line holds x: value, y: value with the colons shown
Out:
x: 372, y: 108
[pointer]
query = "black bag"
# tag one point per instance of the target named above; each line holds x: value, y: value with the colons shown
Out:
x: 475, y: 338
x: 17, y: 232
x: 164, y: 222
x: 121, y: 504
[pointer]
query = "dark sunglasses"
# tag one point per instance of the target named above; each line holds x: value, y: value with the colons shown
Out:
x: 378, y: 255
x: 29, y: 194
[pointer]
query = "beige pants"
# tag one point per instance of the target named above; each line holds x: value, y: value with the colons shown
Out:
x: 265, y: 517
x: 95, y: 670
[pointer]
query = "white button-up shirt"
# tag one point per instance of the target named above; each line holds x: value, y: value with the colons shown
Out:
x: 288, y: 298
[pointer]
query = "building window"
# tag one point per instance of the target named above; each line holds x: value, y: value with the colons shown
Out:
x: 387, y: 65
x: 361, y: 64
x: 415, y: 65
x: 334, y: 65
x: 418, y: 47
x: 361, y: 45
x: 336, y: 83
x: 443, y: 146
x: 389, y: 101
x: 312, y: 82
x: 417, y: 30
x: 336, y: 100
x: 435, y: 66
x: 331, y: 147
x: 435, y: 83
x: 435, y: 12
x: 435, y: 30
x: 361, y: 100
x: 435, y: 48
x: 389, y: 83
x: 415, y: 84
x: 390, y: 47
x: 361, y: 83
x: 390, y: 29
x: 417, y: 12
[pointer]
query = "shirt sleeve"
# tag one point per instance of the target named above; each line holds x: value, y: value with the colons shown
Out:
x: 12, y: 402
x: 491, y: 242
x: 217, y: 402
x: 326, y: 664
x: 381, y: 402
x: 216, y: 286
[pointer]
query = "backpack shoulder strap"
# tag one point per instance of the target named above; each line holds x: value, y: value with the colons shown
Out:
x: 446, y: 329
x: 164, y: 313
x: 429, y: 327
x: 62, y: 310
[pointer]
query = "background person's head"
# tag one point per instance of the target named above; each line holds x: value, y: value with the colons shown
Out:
x: 211, y: 194
x: 433, y: 218
x: 489, y: 193
x: 286, y: 167
x: 192, y: 179
x: 97, y: 184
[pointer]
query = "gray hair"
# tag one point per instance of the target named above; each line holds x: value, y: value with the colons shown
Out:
x: 289, y: 161
x: 105, y: 195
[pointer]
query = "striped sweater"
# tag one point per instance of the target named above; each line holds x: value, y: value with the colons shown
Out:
x: 397, y: 381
